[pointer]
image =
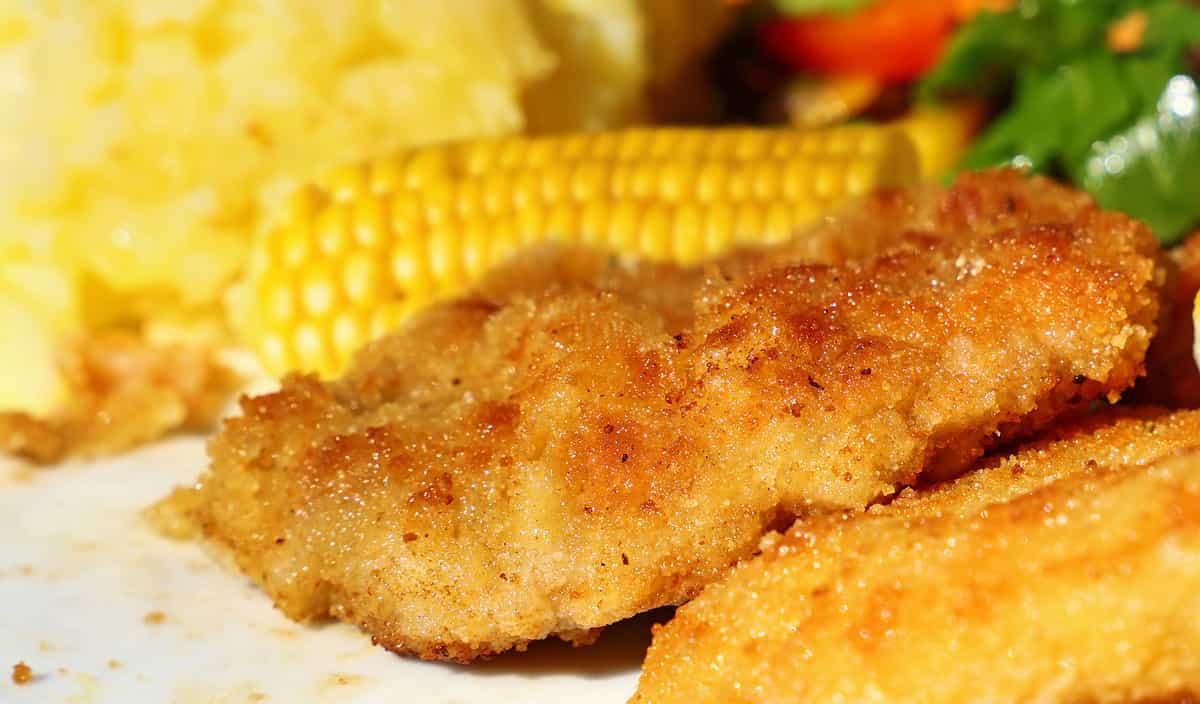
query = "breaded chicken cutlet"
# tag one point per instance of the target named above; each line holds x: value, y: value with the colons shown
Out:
x: 503, y: 470
x: 1066, y: 572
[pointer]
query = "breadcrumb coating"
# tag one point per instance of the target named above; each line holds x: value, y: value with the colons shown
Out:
x: 1068, y: 571
x: 507, y: 468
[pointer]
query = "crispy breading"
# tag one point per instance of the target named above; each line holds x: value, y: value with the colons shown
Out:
x: 500, y: 471
x: 1066, y: 572
x: 1172, y: 377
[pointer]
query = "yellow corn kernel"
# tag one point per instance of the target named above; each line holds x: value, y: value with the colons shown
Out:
x: 277, y: 301
x: 686, y: 227
x: 386, y: 175
x: 624, y: 228
x: 718, y: 227
x: 476, y: 241
x: 319, y: 290
x: 941, y: 134
x: 369, y: 223
x: 312, y: 351
x: 373, y: 243
x: 655, y: 240
x: 333, y: 230
x: 275, y: 353
x: 445, y: 265
x: 348, y: 333
x: 346, y: 183
x: 363, y: 278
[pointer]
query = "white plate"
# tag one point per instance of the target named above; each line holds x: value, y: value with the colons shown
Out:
x: 80, y: 573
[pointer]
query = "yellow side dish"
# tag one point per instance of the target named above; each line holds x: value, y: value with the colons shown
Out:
x: 144, y: 140
x: 377, y: 241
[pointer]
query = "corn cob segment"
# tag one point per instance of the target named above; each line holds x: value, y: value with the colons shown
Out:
x: 360, y: 250
x: 942, y: 134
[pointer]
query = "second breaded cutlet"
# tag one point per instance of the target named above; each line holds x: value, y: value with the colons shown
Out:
x: 503, y: 470
x: 1068, y: 571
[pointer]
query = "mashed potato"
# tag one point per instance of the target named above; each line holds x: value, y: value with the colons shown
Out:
x: 144, y: 140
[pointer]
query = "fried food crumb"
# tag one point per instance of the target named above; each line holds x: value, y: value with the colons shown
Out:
x: 22, y: 674
x: 114, y: 664
x: 34, y: 439
x: 155, y: 618
x: 124, y: 392
x: 20, y: 473
x: 339, y: 679
x: 256, y: 697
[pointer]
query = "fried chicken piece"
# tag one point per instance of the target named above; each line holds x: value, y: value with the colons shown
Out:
x: 1066, y: 572
x: 1172, y: 377
x: 123, y: 392
x: 499, y: 472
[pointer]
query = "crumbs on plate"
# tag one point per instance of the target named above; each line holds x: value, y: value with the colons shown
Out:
x: 22, y: 674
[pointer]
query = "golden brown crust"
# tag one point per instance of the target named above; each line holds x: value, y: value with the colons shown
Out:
x: 502, y: 470
x: 22, y: 674
x: 1069, y: 571
x: 1172, y: 378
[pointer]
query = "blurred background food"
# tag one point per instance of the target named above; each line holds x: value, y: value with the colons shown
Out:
x: 149, y: 144
x: 1102, y: 93
x: 144, y: 141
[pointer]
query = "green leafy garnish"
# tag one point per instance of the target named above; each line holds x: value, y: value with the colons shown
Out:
x: 1122, y: 125
x: 1152, y: 169
x: 812, y: 7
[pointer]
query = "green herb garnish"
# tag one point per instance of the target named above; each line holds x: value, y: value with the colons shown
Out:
x: 1125, y: 126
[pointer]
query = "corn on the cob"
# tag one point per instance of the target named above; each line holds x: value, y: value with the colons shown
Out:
x: 373, y: 242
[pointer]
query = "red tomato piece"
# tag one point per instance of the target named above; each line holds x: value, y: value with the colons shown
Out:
x: 892, y: 40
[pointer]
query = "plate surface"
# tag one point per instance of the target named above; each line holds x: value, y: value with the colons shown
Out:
x: 105, y: 610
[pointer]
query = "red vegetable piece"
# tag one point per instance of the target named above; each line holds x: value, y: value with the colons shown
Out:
x: 892, y: 40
